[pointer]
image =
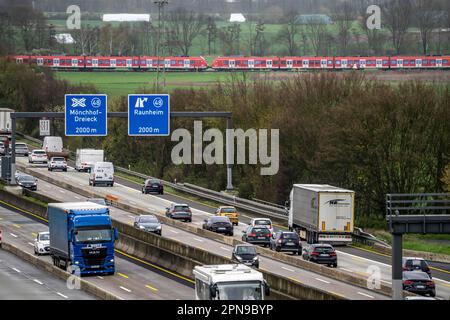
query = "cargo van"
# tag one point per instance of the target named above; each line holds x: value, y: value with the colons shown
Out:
x: 53, y: 147
x: 86, y: 158
x: 102, y: 173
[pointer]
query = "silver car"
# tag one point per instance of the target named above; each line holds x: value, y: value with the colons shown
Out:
x: 148, y: 223
x: 42, y: 243
x: 57, y: 163
x: 21, y: 149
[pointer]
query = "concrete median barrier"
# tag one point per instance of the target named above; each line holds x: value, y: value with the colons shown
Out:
x: 49, y: 267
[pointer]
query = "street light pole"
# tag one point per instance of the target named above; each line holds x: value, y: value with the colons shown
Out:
x: 160, y: 4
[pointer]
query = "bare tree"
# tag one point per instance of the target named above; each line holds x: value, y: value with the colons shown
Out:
x: 230, y: 38
x: 375, y: 37
x: 426, y: 17
x: 289, y: 31
x: 184, y: 27
x: 318, y: 32
x: 344, y: 16
x: 397, y: 15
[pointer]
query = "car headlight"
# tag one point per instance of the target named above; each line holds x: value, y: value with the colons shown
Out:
x: 239, y: 258
x: 77, y: 262
x: 112, y: 260
x: 255, y: 258
x: 158, y: 228
x: 141, y: 227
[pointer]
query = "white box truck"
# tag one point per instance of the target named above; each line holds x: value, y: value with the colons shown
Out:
x: 5, y: 121
x: 86, y: 159
x: 229, y: 282
x: 53, y: 147
x: 322, y: 213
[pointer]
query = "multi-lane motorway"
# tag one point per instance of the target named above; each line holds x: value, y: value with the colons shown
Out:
x: 134, y: 280
x: 22, y: 281
x: 128, y: 191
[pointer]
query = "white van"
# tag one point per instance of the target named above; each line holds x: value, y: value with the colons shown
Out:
x: 86, y: 158
x: 52, y: 144
x: 102, y: 173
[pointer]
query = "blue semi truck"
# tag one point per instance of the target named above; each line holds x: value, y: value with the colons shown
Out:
x: 82, y: 237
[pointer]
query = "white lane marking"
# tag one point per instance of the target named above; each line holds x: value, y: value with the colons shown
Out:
x: 130, y: 216
x: 37, y: 281
x: 173, y: 231
x: 126, y: 289
x: 346, y: 270
x: 62, y: 191
x: 77, y: 197
x: 16, y: 270
x: 318, y: 279
x: 60, y: 294
x: 197, y: 239
x: 100, y: 277
x: 287, y: 269
x: 31, y: 244
x: 380, y: 263
x: 366, y: 295
x: 133, y: 203
x: 226, y: 249
x: 15, y: 236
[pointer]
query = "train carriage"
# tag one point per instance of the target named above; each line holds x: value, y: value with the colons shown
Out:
x: 306, y: 63
x: 173, y: 63
x: 246, y: 63
x: 369, y: 63
x: 112, y: 63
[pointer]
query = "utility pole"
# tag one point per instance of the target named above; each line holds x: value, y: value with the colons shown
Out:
x: 160, y: 4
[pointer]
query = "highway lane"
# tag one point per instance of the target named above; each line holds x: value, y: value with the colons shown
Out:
x: 132, y: 281
x: 21, y: 280
x: 137, y: 199
x: 348, y: 262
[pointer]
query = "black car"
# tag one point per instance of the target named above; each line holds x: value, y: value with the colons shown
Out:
x: 414, y: 264
x: 153, y: 185
x: 246, y: 254
x: 286, y: 241
x: 418, y: 282
x: 27, y: 182
x: 219, y: 224
x: 148, y: 223
x: 321, y: 253
x: 256, y: 235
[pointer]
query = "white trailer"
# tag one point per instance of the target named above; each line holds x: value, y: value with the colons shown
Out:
x: 322, y: 213
x: 229, y: 282
x: 5, y: 121
x: 87, y: 158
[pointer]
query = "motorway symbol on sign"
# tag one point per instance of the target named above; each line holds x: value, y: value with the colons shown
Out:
x: 86, y: 115
x: 148, y: 114
x: 44, y: 128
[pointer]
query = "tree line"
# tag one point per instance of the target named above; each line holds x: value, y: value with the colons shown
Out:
x: 408, y: 27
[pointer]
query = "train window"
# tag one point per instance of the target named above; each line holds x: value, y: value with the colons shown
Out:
x: 338, y: 62
x: 225, y: 62
x: 173, y: 62
x: 445, y: 61
x: 385, y: 62
x: 330, y: 62
x: 283, y: 63
x: 192, y: 62
x: 244, y: 62
x: 100, y: 62
x: 433, y: 61
x: 238, y: 63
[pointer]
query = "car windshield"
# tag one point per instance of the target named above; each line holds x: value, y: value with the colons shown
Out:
x: 58, y: 159
x: 148, y: 220
x: 219, y: 219
x: 39, y: 152
x: 239, y: 291
x: 181, y: 208
x: 323, y: 249
x: 153, y: 181
x: 44, y: 237
x: 416, y: 275
x: 290, y: 235
x: 262, y: 222
x: 228, y: 210
x: 93, y: 235
x: 26, y: 178
x: 245, y: 250
x: 261, y: 230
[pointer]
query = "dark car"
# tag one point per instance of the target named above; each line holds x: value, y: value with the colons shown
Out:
x: 179, y: 211
x: 286, y: 241
x: 27, y: 182
x: 148, y: 223
x: 246, y: 254
x: 256, y: 235
x: 153, y: 185
x: 321, y: 253
x: 418, y: 282
x: 219, y: 224
x: 414, y: 264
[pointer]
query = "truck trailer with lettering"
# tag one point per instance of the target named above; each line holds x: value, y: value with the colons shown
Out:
x: 322, y: 213
x: 229, y: 282
x: 82, y: 237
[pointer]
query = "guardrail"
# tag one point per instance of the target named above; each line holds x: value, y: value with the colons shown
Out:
x: 256, y: 206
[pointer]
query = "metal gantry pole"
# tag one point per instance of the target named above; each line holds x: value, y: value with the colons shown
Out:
x: 13, y: 152
x: 397, y: 269
x: 230, y: 159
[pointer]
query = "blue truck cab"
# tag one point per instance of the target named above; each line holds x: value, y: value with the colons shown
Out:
x: 82, y: 237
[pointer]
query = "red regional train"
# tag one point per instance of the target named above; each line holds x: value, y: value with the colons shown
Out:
x: 148, y: 63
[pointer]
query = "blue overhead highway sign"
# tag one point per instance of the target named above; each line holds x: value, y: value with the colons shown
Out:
x: 148, y: 114
x: 86, y: 115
